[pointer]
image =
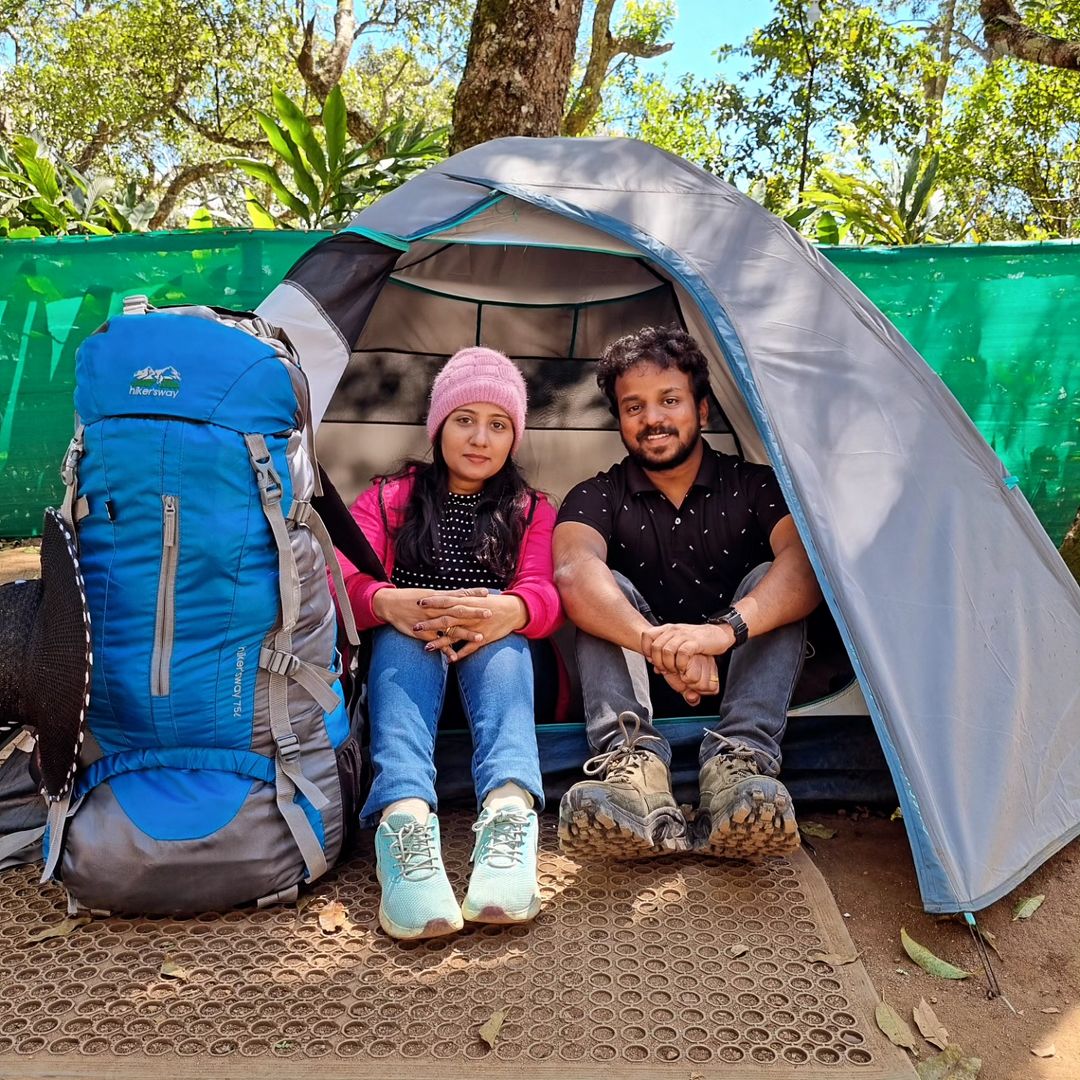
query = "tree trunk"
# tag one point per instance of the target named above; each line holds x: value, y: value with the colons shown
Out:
x: 1070, y: 547
x: 517, y: 71
x: 1007, y: 34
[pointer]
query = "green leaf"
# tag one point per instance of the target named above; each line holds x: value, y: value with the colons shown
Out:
x: 951, y: 1064
x: 489, y: 1032
x: 910, y: 173
x: 24, y: 232
x: 895, y: 1027
x: 287, y: 150
x: 922, y: 192
x: 201, y: 219
x: 260, y: 217
x: 818, y: 832
x: 39, y: 170
x: 297, y: 123
x: 259, y: 170
x: 335, y: 124
x: 930, y: 963
x: 828, y: 231
x: 92, y: 228
x: 1026, y: 908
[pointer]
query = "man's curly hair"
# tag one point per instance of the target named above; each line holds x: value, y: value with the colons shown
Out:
x: 664, y: 346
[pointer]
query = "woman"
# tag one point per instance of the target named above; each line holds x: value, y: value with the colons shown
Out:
x: 467, y: 546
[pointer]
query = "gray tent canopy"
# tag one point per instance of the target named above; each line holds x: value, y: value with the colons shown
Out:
x: 959, y: 617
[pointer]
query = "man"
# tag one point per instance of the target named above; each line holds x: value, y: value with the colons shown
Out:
x: 685, y: 560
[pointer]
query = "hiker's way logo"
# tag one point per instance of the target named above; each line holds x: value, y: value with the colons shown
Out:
x: 155, y: 382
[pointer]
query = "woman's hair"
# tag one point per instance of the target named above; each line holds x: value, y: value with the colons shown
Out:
x: 501, y: 515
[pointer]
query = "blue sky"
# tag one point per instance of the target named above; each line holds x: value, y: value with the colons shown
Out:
x: 702, y: 26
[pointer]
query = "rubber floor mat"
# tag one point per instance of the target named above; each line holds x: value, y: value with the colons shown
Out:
x: 676, y: 966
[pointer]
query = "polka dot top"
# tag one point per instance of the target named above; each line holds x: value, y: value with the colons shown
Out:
x: 454, y: 567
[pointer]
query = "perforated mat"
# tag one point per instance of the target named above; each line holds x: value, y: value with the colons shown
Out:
x: 673, y: 967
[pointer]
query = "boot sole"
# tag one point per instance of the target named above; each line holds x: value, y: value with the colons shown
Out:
x: 607, y: 833
x: 757, y: 827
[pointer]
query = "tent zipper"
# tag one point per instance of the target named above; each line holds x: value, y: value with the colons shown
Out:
x: 165, y: 621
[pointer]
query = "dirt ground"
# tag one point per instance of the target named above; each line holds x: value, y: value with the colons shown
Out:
x: 868, y: 867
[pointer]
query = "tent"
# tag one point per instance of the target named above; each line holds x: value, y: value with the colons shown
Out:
x: 959, y: 618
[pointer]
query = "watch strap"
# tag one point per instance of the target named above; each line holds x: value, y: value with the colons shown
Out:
x: 737, y: 623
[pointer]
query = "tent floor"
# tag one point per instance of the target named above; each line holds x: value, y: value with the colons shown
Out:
x: 668, y: 967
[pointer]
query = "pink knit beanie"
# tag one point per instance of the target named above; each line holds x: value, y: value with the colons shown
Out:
x: 476, y: 375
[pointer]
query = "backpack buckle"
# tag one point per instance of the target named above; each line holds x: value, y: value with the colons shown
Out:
x: 279, y: 663
x: 288, y: 747
x: 71, y: 460
x: 266, y: 476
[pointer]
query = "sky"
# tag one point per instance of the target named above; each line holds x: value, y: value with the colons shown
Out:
x: 702, y: 26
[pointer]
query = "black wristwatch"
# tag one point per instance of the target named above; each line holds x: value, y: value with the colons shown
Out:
x: 737, y: 623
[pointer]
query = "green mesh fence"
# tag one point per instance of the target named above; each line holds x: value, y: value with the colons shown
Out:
x: 1000, y: 324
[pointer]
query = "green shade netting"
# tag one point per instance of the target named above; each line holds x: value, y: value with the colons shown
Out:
x: 999, y: 323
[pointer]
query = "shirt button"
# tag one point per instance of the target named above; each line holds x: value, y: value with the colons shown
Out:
x: 678, y: 521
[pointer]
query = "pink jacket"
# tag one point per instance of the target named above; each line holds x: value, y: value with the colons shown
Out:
x: 534, y: 581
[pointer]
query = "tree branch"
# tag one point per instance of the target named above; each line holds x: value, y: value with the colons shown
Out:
x: 323, y: 72
x: 1007, y: 35
x: 184, y: 178
x: 219, y: 138
x: 603, y: 48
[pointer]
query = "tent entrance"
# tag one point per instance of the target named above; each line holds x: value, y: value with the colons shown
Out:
x: 552, y: 306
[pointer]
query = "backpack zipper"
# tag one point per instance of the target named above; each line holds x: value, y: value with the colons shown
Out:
x: 165, y: 621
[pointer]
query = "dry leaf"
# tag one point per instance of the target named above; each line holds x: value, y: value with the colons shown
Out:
x: 60, y: 929
x: 930, y: 1027
x: 333, y: 917
x: 833, y: 959
x: 897, y: 815
x: 1046, y: 1050
x: 490, y: 1031
x: 735, y: 951
x: 930, y: 963
x: 951, y: 1064
x: 171, y: 970
x: 1026, y: 908
x: 818, y: 832
x: 895, y: 1027
x: 1051, y: 1010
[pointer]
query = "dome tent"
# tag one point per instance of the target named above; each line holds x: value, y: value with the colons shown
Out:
x: 958, y: 615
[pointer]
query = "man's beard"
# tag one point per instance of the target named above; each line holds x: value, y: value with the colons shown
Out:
x: 682, y: 453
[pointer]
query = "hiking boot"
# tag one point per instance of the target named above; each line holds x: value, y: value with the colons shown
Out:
x: 743, y: 814
x: 417, y: 900
x: 628, y: 810
x: 503, y: 886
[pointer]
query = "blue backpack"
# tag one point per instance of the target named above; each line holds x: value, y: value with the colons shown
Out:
x: 218, y: 764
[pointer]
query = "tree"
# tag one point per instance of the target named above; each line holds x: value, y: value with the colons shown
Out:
x: 521, y: 59
x: 1008, y: 34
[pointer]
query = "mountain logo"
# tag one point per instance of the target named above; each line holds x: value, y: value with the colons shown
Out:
x: 155, y: 382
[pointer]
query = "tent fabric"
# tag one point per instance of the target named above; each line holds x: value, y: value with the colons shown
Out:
x: 960, y: 618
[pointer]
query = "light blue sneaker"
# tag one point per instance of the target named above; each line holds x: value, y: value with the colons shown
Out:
x: 417, y: 900
x: 503, y: 887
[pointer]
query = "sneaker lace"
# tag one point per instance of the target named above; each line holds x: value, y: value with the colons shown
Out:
x: 500, y: 839
x: 413, y: 845
x: 632, y: 753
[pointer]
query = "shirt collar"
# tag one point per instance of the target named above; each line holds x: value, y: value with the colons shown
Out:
x: 708, y: 475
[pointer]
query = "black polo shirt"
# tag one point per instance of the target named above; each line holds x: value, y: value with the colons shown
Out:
x: 687, y: 562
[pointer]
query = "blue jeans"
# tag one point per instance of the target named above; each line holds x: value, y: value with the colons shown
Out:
x: 406, y: 688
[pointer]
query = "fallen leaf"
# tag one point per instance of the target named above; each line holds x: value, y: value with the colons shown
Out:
x: 1051, y: 1010
x: 333, y: 917
x: 895, y: 1027
x: 930, y: 1027
x: 737, y: 950
x: 1026, y: 908
x: 60, y: 929
x: 818, y: 832
x: 490, y: 1031
x: 1046, y: 1050
x: 897, y: 815
x: 834, y: 959
x: 930, y: 963
x: 172, y: 970
x: 951, y: 1064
